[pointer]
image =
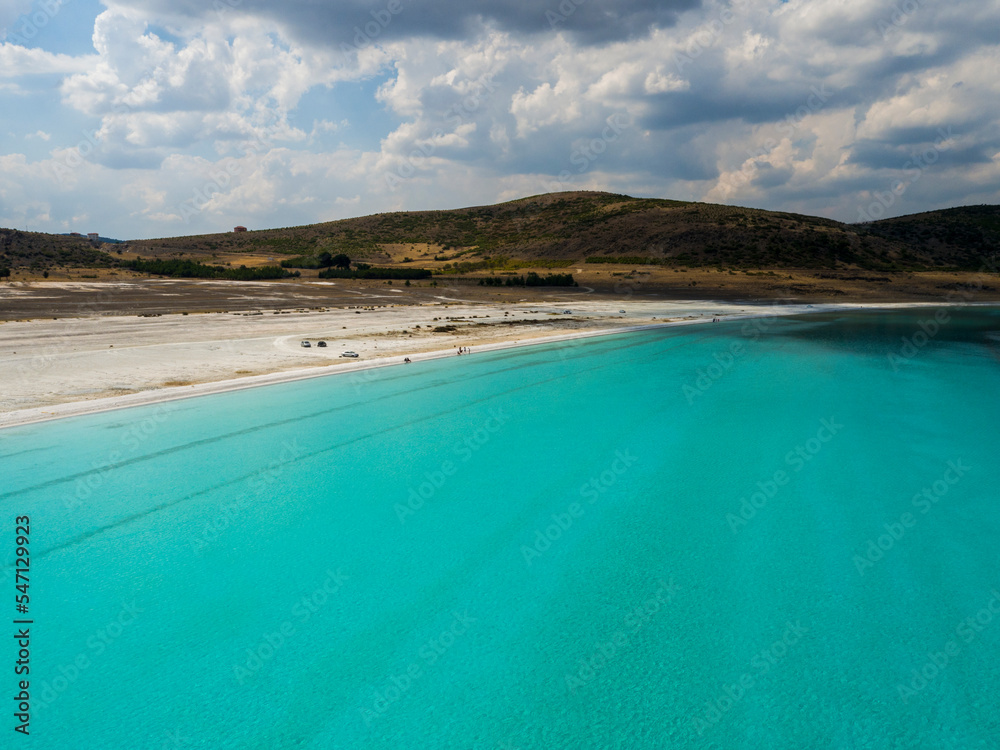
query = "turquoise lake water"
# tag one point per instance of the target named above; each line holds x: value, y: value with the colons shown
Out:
x: 772, y: 534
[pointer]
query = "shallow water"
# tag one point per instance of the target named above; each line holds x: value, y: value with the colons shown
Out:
x: 737, y: 535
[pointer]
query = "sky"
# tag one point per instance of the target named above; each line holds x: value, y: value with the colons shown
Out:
x: 158, y: 118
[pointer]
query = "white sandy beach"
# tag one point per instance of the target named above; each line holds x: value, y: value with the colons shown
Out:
x: 57, y: 368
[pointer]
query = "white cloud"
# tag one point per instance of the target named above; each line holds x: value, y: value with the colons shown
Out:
x: 155, y: 96
x: 938, y: 97
x: 546, y: 105
x: 780, y: 104
x: 660, y: 82
x: 17, y: 61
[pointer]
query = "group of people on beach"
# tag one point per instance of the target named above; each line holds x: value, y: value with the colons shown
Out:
x: 461, y: 350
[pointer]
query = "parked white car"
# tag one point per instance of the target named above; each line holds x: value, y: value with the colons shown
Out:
x: 352, y: 355
x: 305, y: 344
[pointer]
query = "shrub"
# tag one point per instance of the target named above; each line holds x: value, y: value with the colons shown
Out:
x: 631, y: 260
x: 302, y: 261
x: 532, y: 279
x: 189, y: 269
x: 376, y: 273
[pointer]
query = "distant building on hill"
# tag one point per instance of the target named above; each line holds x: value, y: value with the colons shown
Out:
x: 240, y: 229
x: 75, y: 234
x: 93, y: 236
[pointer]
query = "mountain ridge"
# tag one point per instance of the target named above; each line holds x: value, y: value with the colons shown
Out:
x: 556, y: 229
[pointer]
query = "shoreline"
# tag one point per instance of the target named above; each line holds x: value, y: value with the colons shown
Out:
x: 36, y: 415
x: 82, y: 407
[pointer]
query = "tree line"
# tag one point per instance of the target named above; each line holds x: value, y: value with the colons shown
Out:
x: 189, y: 269
x: 532, y: 279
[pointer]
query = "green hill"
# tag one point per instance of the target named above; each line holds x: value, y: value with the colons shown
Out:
x: 558, y: 229
x: 579, y: 225
x: 37, y: 251
x: 961, y: 237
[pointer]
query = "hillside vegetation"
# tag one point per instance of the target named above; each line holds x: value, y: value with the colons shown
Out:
x: 40, y: 252
x: 562, y: 229
x: 961, y: 237
x: 188, y: 269
x: 557, y: 229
